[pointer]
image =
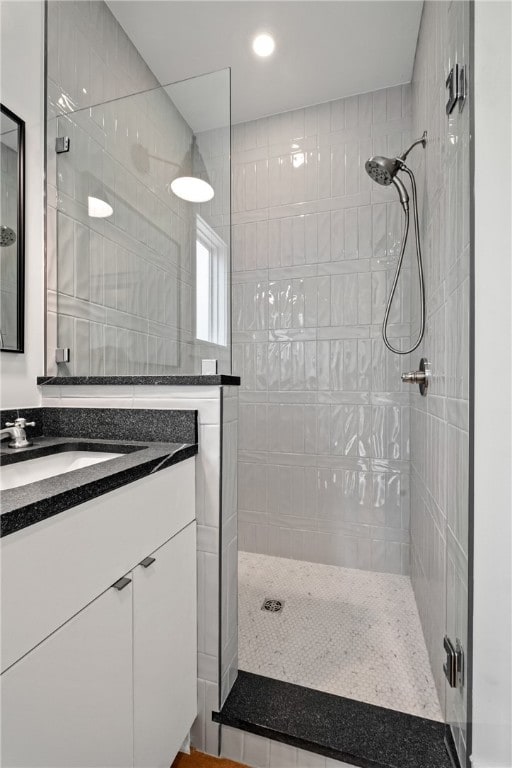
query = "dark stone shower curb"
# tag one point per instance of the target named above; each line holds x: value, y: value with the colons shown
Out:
x: 333, y: 726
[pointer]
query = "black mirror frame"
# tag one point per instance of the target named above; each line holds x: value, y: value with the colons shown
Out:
x: 20, y: 303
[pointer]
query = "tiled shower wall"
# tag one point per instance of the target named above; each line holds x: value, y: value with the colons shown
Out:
x: 323, y: 458
x: 121, y: 289
x: 229, y: 541
x: 439, y: 422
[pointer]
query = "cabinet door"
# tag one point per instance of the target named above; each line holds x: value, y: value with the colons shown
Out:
x: 120, y: 528
x: 165, y: 651
x: 68, y: 703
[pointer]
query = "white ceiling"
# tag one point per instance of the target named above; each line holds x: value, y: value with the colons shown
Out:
x: 325, y: 49
x: 203, y: 101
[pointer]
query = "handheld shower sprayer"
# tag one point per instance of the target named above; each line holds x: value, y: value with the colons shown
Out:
x: 384, y: 171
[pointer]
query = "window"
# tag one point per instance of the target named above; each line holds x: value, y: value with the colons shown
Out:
x: 211, y: 276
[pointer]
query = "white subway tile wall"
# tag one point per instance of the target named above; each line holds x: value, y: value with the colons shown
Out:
x: 121, y: 293
x: 229, y: 540
x: 323, y: 461
x: 439, y: 423
x: 260, y: 752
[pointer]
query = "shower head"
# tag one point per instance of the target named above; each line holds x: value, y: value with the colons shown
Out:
x: 384, y: 171
x: 7, y: 236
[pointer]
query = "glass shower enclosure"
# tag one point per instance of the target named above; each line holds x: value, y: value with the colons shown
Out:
x: 138, y: 276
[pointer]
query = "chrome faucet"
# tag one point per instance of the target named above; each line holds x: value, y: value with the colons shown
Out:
x: 16, y: 431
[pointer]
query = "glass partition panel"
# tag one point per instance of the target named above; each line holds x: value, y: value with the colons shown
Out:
x: 142, y: 241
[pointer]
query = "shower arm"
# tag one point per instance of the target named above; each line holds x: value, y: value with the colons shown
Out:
x: 399, y: 268
x: 423, y: 141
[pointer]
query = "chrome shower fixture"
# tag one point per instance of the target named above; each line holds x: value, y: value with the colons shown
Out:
x: 422, y: 141
x: 7, y: 236
x: 384, y: 171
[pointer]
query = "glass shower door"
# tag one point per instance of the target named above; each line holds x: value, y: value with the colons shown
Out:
x: 457, y: 391
x: 440, y: 421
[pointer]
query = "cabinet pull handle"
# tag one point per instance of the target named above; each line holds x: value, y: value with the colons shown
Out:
x: 147, y: 562
x: 122, y: 583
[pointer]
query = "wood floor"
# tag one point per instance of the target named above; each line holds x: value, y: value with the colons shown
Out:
x: 200, y: 760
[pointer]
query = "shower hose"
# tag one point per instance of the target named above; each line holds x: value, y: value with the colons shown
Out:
x: 399, y: 269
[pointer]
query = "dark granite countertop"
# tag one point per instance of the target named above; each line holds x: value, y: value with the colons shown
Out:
x: 343, y: 729
x: 220, y: 379
x: 29, y: 504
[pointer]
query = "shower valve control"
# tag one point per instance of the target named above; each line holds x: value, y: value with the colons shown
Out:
x: 421, y: 377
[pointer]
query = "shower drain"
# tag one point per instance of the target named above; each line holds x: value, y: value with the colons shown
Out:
x: 272, y: 605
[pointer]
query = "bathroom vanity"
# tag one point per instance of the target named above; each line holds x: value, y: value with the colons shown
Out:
x: 99, y: 622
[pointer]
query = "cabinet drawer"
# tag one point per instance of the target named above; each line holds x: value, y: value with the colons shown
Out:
x: 52, y: 569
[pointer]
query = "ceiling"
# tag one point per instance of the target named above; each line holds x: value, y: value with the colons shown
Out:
x: 325, y: 49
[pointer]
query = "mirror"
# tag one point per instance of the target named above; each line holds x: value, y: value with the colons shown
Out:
x: 12, y: 230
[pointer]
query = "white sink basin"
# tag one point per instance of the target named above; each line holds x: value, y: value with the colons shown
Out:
x: 32, y: 470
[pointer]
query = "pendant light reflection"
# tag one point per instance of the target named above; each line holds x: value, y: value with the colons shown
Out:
x: 192, y: 189
x: 98, y: 208
x: 193, y: 184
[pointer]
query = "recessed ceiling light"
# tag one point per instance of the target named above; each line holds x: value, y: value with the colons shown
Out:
x: 263, y: 45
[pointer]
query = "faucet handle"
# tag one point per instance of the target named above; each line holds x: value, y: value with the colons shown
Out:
x: 20, y: 422
x: 421, y: 377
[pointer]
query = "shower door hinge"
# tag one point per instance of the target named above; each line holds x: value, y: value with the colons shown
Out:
x: 457, y: 87
x: 453, y: 668
x: 62, y: 144
x: 62, y: 355
x: 452, y: 87
x: 462, y: 87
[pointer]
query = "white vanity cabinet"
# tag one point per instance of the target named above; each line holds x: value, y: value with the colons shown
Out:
x: 115, y: 685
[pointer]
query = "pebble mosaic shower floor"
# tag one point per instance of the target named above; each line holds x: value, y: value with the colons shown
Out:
x: 348, y: 632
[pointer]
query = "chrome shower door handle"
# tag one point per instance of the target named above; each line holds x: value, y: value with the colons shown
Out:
x: 421, y: 377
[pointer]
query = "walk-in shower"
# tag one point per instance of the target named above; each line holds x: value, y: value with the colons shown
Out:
x: 384, y: 170
x: 323, y: 472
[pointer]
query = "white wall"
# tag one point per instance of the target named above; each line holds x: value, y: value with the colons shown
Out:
x: 21, y: 90
x: 492, y: 637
